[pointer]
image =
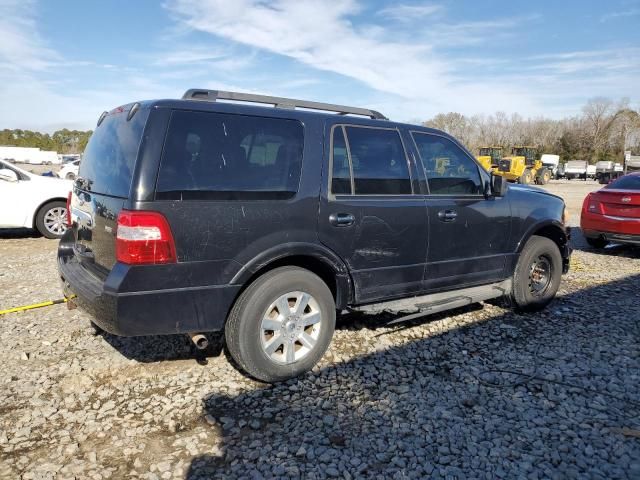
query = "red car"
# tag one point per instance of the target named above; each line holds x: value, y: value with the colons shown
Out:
x: 612, y: 214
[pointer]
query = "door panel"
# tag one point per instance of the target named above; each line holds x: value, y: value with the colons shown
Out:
x: 384, y: 247
x: 471, y: 248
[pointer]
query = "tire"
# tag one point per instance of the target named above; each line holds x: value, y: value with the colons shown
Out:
x: 70, y: 176
x: 542, y: 177
x: 597, y: 242
x: 525, y: 178
x: 248, y: 341
x: 529, y: 294
x: 51, y: 218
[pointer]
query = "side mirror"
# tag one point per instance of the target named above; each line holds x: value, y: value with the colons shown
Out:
x: 8, y: 175
x: 498, y: 185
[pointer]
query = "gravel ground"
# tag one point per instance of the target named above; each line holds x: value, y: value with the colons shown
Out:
x: 433, y: 398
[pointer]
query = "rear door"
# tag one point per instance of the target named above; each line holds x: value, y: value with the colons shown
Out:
x: 468, y: 232
x: 369, y: 213
x: 103, y: 186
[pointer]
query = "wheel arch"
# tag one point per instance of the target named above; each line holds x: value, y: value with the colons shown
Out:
x: 551, y: 229
x: 42, y: 204
x: 317, y: 259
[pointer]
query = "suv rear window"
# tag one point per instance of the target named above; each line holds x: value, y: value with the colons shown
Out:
x: 224, y: 156
x: 108, y: 160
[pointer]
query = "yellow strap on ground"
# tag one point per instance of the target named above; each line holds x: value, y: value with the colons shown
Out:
x: 35, y: 305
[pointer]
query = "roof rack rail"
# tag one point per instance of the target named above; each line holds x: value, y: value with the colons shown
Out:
x: 278, y: 102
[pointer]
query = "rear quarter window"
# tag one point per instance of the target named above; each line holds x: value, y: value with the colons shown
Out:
x: 109, y: 159
x: 225, y: 156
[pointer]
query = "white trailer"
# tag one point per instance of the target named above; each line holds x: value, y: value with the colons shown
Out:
x: 30, y: 155
x: 576, y: 169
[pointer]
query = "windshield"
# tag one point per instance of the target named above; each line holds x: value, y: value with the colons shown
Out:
x: 628, y: 182
x: 111, y: 153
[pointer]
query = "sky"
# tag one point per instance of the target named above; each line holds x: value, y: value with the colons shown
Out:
x: 62, y: 63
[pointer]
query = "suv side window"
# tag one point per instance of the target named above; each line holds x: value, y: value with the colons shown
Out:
x: 373, y: 157
x: 448, y: 168
x: 224, y: 156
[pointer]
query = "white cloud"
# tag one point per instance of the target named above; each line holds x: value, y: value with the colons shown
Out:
x: 414, y: 74
x: 20, y: 45
x: 326, y: 39
x: 617, y: 15
x: 410, y: 12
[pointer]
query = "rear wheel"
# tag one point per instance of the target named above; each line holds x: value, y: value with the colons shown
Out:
x: 51, y: 219
x: 281, y: 325
x: 537, y: 276
x: 597, y: 242
x: 70, y: 176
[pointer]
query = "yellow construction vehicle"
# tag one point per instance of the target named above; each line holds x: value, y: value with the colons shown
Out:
x: 523, y: 166
x: 489, y: 157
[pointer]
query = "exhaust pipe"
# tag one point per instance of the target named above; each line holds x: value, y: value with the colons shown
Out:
x: 199, y: 340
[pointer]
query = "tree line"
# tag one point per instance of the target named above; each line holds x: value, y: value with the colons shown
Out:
x: 603, y: 131
x: 62, y: 141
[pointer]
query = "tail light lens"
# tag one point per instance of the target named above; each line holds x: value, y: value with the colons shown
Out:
x: 69, y: 209
x: 144, y: 238
x: 592, y: 205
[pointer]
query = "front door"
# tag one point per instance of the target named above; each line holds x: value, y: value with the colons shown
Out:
x: 369, y: 214
x: 469, y: 232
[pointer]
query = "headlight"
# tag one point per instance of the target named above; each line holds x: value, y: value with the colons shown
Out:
x: 565, y: 216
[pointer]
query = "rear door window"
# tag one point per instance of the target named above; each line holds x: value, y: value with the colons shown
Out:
x: 108, y: 161
x: 224, y: 156
x: 448, y: 168
x: 373, y: 157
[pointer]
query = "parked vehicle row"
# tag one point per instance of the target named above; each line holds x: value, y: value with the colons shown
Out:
x: 265, y: 222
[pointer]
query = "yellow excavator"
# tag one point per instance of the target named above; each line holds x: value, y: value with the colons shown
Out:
x: 489, y: 157
x: 523, y: 166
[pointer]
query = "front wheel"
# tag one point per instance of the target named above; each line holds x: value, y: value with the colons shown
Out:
x: 281, y: 325
x: 51, y: 220
x: 525, y: 178
x: 537, y: 276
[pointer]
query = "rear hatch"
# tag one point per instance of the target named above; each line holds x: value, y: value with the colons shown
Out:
x: 103, y: 186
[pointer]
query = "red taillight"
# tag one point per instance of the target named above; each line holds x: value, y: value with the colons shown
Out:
x: 591, y: 205
x: 69, y: 209
x: 144, y: 238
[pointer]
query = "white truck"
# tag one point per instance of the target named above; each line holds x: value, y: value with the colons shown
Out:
x: 576, y: 169
x: 607, y: 171
x: 551, y: 162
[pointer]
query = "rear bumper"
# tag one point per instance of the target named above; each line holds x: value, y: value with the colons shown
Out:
x: 147, y: 312
x: 613, y: 237
x: 614, y: 229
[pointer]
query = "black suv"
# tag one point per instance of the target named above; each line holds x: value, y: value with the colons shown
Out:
x: 200, y: 215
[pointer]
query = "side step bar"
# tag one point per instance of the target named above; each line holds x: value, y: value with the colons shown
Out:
x: 438, y: 302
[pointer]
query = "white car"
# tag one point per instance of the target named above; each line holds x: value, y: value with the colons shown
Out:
x: 70, y: 170
x: 33, y: 201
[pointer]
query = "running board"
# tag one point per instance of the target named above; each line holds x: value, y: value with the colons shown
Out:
x: 416, y: 307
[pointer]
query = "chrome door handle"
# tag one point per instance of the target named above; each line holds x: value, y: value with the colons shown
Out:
x: 447, y: 215
x: 341, y: 219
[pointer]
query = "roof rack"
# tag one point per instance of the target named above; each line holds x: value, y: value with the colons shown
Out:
x: 278, y: 102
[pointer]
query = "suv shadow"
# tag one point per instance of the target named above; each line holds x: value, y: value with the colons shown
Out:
x: 458, y: 413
